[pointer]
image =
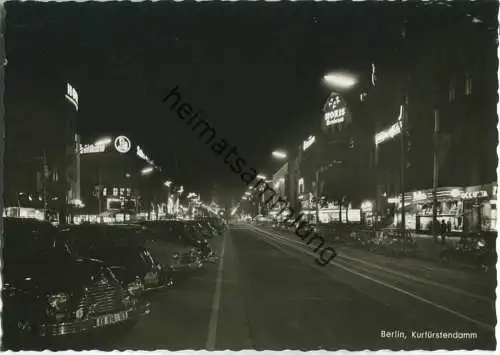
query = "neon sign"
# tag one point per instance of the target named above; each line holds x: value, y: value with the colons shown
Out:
x: 92, y: 148
x: 474, y: 194
x: 308, y: 142
x: 72, y: 95
x: 142, y: 155
x: 335, y: 111
x: 122, y: 144
x: 392, y: 131
x: 335, y: 116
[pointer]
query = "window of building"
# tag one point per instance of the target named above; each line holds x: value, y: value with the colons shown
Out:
x: 115, y: 191
x: 468, y: 84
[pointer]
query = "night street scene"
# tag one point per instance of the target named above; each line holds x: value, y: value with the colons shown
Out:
x: 263, y: 176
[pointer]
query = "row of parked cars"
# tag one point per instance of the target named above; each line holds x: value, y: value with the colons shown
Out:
x: 64, y: 283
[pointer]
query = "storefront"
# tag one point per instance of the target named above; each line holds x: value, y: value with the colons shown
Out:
x: 479, y: 208
x: 471, y: 208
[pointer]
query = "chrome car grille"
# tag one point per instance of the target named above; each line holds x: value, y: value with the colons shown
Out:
x: 103, y: 296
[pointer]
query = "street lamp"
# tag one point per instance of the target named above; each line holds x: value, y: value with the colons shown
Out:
x: 278, y: 154
x: 104, y: 141
x: 167, y: 183
x: 147, y: 170
x: 340, y: 80
x: 261, y: 176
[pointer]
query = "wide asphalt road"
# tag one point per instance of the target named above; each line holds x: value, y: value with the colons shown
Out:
x: 267, y: 292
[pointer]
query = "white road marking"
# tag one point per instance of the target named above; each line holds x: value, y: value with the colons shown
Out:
x: 380, y: 282
x: 214, y: 315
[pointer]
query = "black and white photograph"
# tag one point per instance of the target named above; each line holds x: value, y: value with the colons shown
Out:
x: 249, y: 175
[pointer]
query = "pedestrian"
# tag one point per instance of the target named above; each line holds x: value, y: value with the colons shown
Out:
x: 448, y: 227
x: 443, y: 231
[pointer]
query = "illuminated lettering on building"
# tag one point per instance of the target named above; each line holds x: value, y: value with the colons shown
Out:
x: 142, y: 155
x: 392, y: 131
x: 419, y: 195
x: 474, y: 194
x: 92, y: 148
x: 335, y: 111
x: 72, y: 95
x: 335, y: 116
x: 308, y: 142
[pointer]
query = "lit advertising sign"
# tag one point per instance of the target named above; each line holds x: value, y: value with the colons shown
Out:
x: 72, y: 95
x: 334, y: 111
x: 335, y: 116
x: 142, y: 155
x: 92, y: 148
x: 308, y: 142
x: 474, y: 194
x: 122, y: 144
x: 419, y: 195
x: 389, y: 133
x: 392, y: 131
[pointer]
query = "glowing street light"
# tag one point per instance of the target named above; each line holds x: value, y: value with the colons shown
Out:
x: 279, y: 154
x: 147, y: 170
x: 104, y: 141
x: 340, y: 80
x: 261, y: 176
x: 167, y: 183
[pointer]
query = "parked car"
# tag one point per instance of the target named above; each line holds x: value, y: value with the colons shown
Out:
x: 119, y: 247
x: 218, y: 223
x: 49, y: 296
x: 477, y: 250
x: 207, y: 230
x: 190, y: 231
x: 171, y: 248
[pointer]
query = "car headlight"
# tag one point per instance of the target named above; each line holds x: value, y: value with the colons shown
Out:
x: 57, y: 304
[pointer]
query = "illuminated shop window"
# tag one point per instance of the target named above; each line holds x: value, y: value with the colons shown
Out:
x: 122, y: 191
x: 115, y: 191
x: 104, y: 191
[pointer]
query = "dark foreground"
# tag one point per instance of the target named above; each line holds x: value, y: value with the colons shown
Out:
x: 267, y: 292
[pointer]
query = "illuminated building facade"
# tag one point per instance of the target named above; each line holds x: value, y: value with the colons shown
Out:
x: 118, y: 180
x: 41, y: 159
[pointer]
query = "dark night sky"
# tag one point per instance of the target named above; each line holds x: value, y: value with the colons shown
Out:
x: 254, y: 69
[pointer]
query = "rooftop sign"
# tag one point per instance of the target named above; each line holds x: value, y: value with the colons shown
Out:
x: 72, y: 95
